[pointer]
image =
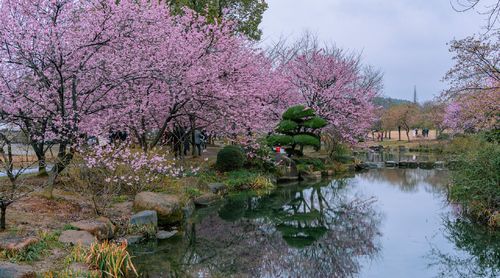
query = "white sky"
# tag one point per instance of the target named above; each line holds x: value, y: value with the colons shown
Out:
x: 406, y: 39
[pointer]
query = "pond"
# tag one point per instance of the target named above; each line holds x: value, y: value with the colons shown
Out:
x: 380, y: 223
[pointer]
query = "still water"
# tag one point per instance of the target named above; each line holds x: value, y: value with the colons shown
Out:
x: 380, y: 223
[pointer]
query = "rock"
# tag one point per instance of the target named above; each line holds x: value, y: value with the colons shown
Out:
x: 80, y: 268
x: 376, y: 148
x: 101, y: 227
x: 426, y: 165
x: 369, y: 165
x: 391, y: 163
x: 361, y: 166
x: 11, y: 270
x: 287, y: 168
x: 188, y: 209
x: 408, y: 164
x: 77, y: 237
x: 165, y: 234
x: 134, y: 239
x: 15, y: 243
x: 206, y: 199
x: 217, y: 188
x: 145, y: 217
x: 282, y: 179
x: 169, y: 208
x: 351, y: 167
x: 328, y: 173
x: 439, y: 165
x: 312, y: 176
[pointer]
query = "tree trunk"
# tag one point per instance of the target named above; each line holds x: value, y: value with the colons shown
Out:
x: 42, y: 166
x: 408, y: 134
x: 399, y: 133
x: 39, y: 149
x: 63, y: 159
x: 3, y: 210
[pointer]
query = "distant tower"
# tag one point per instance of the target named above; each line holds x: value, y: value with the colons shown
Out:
x: 415, y: 94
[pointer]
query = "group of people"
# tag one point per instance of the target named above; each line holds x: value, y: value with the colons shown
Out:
x: 425, y: 132
x: 182, y: 139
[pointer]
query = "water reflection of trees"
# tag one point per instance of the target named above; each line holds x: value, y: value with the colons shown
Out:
x: 409, y: 180
x: 313, y: 231
x: 480, y: 246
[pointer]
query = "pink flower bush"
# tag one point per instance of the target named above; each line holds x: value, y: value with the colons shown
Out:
x: 131, y: 170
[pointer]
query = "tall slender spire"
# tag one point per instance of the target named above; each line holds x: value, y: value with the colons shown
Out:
x: 415, y: 94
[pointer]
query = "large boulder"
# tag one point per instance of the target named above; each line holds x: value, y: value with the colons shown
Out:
x: 217, y: 188
x: 286, y: 167
x: 16, y: 243
x: 11, y: 270
x: 170, y: 208
x: 77, y: 237
x: 165, y: 234
x: 145, y: 217
x: 206, y: 199
x: 101, y: 227
x: 312, y: 176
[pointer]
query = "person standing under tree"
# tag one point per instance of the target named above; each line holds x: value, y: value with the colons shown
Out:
x: 198, y: 140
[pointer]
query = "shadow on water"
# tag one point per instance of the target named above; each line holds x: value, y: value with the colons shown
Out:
x: 379, y: 223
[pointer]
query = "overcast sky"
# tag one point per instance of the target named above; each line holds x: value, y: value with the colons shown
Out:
x: 406, y: 39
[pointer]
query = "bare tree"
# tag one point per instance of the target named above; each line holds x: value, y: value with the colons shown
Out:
x: 477, y: 65
x: 11, y: 190
x: 488, y: 8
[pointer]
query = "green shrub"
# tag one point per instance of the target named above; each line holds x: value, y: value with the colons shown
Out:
x: 341, y: 153
x: 492, y: 136
x: 279, y: 140
x: 315, y: 122
x: 306, y: 140
x: 286, y: 126
x: 193, y: 192
x: 230, y: 158
x: 476, y: 182
x: 298, y: 112
x: 443, y: 136
x: 306, y: 164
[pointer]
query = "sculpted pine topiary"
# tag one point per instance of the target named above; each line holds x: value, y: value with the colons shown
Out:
x: 298, y: 128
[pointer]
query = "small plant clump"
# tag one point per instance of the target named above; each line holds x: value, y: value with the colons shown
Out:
x: 110, y: 259
x: 148, y: 231
x: 243, y: 179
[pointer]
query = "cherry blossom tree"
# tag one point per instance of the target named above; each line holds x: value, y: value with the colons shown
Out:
x: 335, y: 84
x: 474, y: 112
x: 72, y: 69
